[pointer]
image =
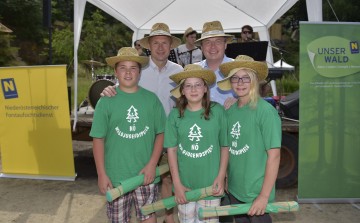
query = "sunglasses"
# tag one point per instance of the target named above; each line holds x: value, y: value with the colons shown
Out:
x: 246, y: 32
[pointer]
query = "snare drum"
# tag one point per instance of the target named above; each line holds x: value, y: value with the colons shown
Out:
x: 95, y: 89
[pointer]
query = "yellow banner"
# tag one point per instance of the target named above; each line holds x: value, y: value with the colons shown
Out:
x: 35, y: 135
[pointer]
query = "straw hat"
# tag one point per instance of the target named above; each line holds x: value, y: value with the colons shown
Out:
x: 160, y: 29
x: 192, y: 70
x: 213, y: 29
x: 188, y: 31
x: 127, y: 54
x: 242, y: 61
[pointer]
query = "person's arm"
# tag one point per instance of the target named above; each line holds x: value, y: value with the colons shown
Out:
x: 149, y: 170
x: 229, y: 102
x: 271, y: 171
x: 179, y: 188
x: 219, y: 182
x: 109, y: 91
x: 104, y: 182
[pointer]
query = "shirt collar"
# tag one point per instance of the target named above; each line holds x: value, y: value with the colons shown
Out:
x: 155, y: 67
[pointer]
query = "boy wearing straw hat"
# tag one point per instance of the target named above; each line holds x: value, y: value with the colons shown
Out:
x: 196, y: 140
x: 129, y: 125
x: 155, y: 78
x: 213, y: 43
x: 254, y: 138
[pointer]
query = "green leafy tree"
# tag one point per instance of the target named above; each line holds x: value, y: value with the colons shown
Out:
x: 342, y: 10
x: 8, y: 53
x: 63, y: 45
x: 24, y: 17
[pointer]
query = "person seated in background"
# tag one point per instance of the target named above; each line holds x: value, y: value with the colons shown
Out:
x: 189, y: 53
x: 139, y: 48
x: 247, y: 34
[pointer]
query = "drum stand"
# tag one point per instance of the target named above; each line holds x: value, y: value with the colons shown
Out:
x: 92, y: 63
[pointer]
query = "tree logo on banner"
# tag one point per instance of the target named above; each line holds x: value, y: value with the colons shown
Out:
x: 195, y: 133
x: 235, y: 131
x: 132, y: 114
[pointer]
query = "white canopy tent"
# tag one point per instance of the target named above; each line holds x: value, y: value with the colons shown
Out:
x: 283, y: 65
x: 140, y: 15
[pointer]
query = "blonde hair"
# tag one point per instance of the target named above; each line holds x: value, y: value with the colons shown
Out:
x: 254, y: 87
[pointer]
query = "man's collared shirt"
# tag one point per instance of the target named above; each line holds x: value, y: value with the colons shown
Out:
x: 216, y: 94
x: 158, y: 81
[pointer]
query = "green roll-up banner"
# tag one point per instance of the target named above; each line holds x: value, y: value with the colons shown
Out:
x: 329, y: 140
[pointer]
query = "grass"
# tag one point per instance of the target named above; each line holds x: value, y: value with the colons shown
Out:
x: 84, y: 84
x: 287, y: 85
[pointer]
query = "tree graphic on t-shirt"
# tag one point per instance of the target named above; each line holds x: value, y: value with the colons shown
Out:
x: 195, y: 132
x: 132, y: 114
x: 235, y: 131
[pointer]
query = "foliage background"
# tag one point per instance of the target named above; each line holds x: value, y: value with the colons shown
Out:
x: 102, y: 35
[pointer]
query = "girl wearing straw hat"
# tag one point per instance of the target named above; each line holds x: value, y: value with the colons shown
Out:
x: 128, y: 125
x: 254, y: 138
x: 196, y: 141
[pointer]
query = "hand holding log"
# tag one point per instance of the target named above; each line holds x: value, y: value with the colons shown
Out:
x: 132, y: 183
x: 236, y: 209
x: 193, y: 195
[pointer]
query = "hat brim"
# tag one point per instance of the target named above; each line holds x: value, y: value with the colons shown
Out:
x: 142, y: 60
x: 231, y: 68
x: 175, y: 42
x: 176, y: 91
x: 260, y: 68
x: 229, y: 38
x: 207, y: 75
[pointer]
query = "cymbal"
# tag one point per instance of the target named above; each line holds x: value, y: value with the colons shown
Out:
x: 93, y: 63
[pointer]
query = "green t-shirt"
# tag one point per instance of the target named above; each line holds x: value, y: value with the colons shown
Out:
x: 251, y: 133
x: 198, y: 143
x: 129, y: 124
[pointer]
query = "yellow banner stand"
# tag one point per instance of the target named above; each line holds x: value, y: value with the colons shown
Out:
x: 35, y: 134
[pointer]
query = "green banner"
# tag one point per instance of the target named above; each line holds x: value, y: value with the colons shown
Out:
x: 329, y: 139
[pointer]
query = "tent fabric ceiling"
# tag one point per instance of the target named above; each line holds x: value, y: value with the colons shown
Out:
x: 140, y: 15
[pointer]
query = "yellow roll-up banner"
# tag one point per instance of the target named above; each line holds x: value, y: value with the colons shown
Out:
x: 35, y: 134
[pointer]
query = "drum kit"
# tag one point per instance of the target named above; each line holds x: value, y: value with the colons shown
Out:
x: 99, y: 83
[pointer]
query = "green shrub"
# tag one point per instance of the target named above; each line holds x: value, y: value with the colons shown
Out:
x: 287, y: 84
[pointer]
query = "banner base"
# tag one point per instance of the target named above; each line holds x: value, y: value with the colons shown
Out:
x: 37, y: 177
x: 328, y: 200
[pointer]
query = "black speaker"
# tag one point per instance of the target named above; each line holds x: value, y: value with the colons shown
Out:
x: 290, y: 105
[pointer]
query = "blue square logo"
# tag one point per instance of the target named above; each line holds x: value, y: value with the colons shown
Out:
x: 354, y: 47
x: 9, y: 88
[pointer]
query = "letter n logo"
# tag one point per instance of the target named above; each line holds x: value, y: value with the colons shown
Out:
x: 354, y: 47
x: 9, y: 88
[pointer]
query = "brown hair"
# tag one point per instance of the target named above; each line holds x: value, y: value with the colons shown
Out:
x: 182, y: 102
x: 247, y: 27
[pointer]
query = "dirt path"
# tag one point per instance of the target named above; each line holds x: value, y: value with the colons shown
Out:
x: 43, y: 201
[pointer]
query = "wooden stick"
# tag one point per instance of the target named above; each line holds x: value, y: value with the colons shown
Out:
x: 236, y: 209
x: 193, y: 195
x: 132, y: 183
